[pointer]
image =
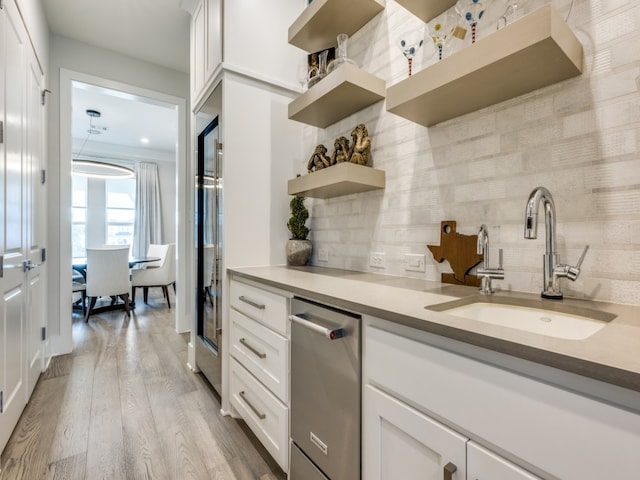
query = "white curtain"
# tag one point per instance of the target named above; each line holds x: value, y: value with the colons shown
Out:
x: 148, y: 222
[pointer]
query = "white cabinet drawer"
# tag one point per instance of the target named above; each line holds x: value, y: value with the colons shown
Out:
x: 267, y: 417
x: 485, y: 465
x: 263, y: 352
x: 556, y: 430
x: 265, y: 307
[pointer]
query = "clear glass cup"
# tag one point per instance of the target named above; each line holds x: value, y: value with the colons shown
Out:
x: 341, y: 54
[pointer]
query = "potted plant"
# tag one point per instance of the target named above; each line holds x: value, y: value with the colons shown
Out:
x: 298, y: 248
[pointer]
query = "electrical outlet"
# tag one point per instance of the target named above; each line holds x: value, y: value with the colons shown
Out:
x: 414, y: 262
x: 376, y: 260
x: 323, y: 254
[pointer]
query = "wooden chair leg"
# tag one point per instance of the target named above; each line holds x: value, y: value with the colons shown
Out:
x: 165, y: 290
x: 174, y: 288
x: 92, y: 303
x: 145, y: 294
x: 125, y: 297
x: 84, y: 302
x: 133, y: 295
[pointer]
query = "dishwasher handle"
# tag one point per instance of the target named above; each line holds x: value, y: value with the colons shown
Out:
x: 330, y: 333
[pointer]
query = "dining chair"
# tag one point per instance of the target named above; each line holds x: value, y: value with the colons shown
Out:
x: 160, y: 275
x: 79, y: 288
x: 108, y: 275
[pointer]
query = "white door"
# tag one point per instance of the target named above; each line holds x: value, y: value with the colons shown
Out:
x: 13, y: 284
x: 483, y: 464
x: 34, y: 208
x: 400, y: 442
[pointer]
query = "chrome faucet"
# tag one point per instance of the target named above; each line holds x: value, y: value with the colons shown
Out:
x: 486, y: 273
x: 552, y: 270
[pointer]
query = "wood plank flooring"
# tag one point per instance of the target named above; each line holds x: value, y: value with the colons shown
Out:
x: 124, y: 405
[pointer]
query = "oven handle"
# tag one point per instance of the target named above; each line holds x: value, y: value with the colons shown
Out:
x: 330, y: 333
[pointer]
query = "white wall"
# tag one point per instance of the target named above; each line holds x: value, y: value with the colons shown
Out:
x: 79, y: 57
x: 33, y: 16
x: 579, y: 138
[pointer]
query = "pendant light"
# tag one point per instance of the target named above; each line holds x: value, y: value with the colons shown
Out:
x: 92, y: 168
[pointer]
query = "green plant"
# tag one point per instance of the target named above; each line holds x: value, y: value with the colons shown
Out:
x: 299, y: 216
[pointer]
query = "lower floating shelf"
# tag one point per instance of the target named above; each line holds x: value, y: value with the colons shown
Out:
x: 341, y: 179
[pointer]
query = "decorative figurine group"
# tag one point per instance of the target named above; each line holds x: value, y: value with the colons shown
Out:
x: 358, y: 152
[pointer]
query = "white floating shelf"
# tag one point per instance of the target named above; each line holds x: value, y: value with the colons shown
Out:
x: 340, y: 179
x: 343, y: 92
x: 320, y: 23
x: 534, y: 51
x: 426, y: 10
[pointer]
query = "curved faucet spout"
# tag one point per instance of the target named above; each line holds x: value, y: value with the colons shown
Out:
x: 537, y: 196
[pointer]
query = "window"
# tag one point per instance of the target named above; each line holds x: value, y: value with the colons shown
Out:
x: 78, y: 216
x: 120, y: 206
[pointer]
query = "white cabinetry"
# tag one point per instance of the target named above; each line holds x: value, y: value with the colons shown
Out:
x: 206, y: 44
x: 407, y: 444
x: 541, y: 428
x: 259, y: 367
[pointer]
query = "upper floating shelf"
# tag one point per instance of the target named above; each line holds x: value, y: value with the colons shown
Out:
x: 424, y: 10
x: 343, y: 92
x: 340, y: 179
x: 320, y: 23
x: 534, y: 51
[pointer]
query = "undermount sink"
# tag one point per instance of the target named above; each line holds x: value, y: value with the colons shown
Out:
x: 559, y: 321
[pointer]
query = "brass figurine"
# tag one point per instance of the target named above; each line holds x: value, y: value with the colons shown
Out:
x: 340, y: 151
x: 361, y: 147
x: 319, y: 159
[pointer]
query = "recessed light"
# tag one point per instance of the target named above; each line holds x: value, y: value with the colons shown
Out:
x: 144, y: 140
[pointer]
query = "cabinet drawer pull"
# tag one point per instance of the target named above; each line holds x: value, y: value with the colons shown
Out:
x: 449, y: 470
x: 259, y: 306
x: 258, y: 353
x: 258, y: 413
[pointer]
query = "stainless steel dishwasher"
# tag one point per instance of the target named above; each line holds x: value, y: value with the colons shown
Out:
x: 325, y: 393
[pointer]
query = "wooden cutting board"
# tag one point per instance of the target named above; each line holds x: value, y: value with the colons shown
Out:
x: 460, y: 251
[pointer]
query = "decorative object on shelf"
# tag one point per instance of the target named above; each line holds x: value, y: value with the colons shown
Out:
x: 461, y: 253
x: 360, y: 151
x: 471, y: 11
x: 341, y: 58
x: 319, y: 159
x: 340, y: 150
x: 409, y: 44
x: 318, y: 65
x: 302, y: 72
x: 298, y: 248
x: 510, y: 14
x: 441, y: 30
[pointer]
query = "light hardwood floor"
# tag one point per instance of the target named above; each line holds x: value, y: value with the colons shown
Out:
x: 124, y: 405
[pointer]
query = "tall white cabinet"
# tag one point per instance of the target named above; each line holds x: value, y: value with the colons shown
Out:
x: 238, y: 46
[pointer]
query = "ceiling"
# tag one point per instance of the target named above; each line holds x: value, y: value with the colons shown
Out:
x: 156, y: 31
x: 124, y: 121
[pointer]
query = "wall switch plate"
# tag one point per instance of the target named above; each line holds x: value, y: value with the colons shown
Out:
x: 414, y: 262
x: 323, y: 254
x: 376, y: 260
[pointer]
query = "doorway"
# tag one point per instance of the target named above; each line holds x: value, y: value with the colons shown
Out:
x: 75, y: 83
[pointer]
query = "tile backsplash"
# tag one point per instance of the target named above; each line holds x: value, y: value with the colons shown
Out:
x: 579, y: 138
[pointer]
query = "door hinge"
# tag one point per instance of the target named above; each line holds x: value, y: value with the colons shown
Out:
x: 43, y: 97
x: 1, y: 403
x: 43, y: 176
x: 43, y: 255
x: 44, y: 333
x: 1, y: 266
x: 1, y: 131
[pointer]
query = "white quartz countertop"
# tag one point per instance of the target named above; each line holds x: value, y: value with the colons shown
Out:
x: 611, y: 355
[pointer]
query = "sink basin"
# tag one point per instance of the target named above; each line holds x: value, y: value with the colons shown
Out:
x: 517, y: 314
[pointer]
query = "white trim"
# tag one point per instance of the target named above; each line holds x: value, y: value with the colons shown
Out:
x: 63, y: 343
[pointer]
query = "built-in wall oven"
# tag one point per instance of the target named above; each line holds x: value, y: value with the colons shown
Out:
x: 325, y: 393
